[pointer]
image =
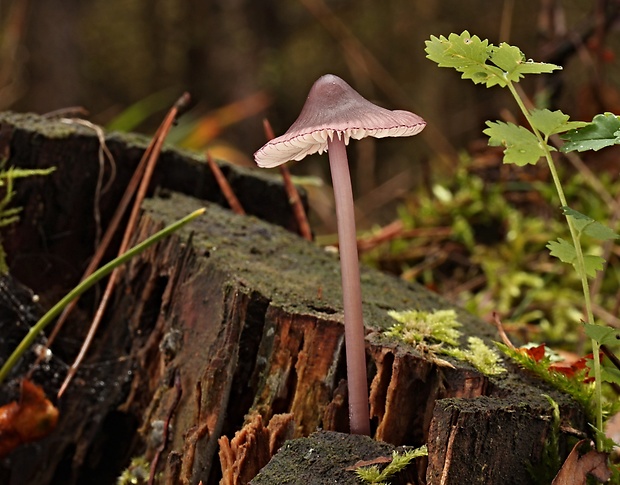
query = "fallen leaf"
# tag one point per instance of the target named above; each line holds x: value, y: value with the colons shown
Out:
x: 576, y: 468
x: 31, y: 418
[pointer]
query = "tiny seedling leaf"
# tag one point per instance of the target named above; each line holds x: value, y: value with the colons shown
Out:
x: 589, y: 226
x: 522, y: 146
x: 602, y: 334
x: 603, y: 131
x: 553, y: 122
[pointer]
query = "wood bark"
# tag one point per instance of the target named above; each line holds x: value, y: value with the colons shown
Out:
x: 232, y: 320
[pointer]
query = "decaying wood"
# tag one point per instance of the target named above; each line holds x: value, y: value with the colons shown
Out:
x: 249, y: 316
x: 252, y: 447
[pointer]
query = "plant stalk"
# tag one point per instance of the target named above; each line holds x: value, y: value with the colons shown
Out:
x: 357, y: 383
x: 580, y: 264
x: 46, y: 319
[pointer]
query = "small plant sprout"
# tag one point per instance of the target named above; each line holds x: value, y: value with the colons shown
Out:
x: 504, y: 66
x: 372, y: 474
x: 333, y: 114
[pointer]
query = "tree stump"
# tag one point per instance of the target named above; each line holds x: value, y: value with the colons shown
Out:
x: 232, y: 318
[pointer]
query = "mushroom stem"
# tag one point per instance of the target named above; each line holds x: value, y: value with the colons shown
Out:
x: 357, y: 383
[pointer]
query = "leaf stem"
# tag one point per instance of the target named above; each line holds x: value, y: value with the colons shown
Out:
x: 580, y: 263
x: 46, y: 319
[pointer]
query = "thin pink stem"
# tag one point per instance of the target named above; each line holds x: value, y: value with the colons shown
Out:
x: 351, y: 288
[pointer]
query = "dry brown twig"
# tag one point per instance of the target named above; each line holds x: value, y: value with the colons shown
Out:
x: 149, y: 165
x: 291, y: 192
x: 225, y: 187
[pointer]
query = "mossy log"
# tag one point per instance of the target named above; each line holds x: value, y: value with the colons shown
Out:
x: 232, y: 318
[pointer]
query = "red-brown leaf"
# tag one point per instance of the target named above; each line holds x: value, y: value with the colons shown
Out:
x: 31, y: 418
x: 576, y: 468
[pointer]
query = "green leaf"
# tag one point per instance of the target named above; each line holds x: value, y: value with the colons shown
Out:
x: 593, y: 264
x: 563, y: 250
x: 589, y: 226
x: 522, y: 146
x: 552, y: 122
x: 512, y: 62
x: 603, y: 131
x: 482, y: 62
x: 610, y: 374
x: 467, y: 54
x: 603, y: 335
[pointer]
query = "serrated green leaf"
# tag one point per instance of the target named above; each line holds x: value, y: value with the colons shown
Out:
x: 593, y: 264
x: 603, y: 131
x: 589, y: 226
x: 457, y: 50
x: 506, y: 57
x: 552, y: 122
x: 522, y: 146
x: 602, y: 334
x: 482, y: 62
x: 563, y: 250
x: 610, y: 374
x: 467, y: 54
x: 512, y: 62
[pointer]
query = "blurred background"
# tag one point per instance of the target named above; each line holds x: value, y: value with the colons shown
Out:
x: 127, y: 61
x: 243, y: 60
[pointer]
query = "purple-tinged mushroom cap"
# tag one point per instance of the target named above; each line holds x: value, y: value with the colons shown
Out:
x: 334, y: 107
x: 333, y: 114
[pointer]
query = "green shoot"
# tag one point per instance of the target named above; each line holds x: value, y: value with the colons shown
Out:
x: 46, y: 319
x: 10, y: 215
x: 503, y: 66
x: 372, y: 474
x: 551, y: 461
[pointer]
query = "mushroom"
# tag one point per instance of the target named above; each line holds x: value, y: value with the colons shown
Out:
x: 333, y: 114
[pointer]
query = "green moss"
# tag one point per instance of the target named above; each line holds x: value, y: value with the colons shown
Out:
x: 137, y: 473
x: 50, y: 128
x: 439, y: 329
x: 292, y: 273
x: 372, y: 474
x: 418, y: 325
x: 478, y: 354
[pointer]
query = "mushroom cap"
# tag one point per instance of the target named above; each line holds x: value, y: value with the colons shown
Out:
x: 334, y: 107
